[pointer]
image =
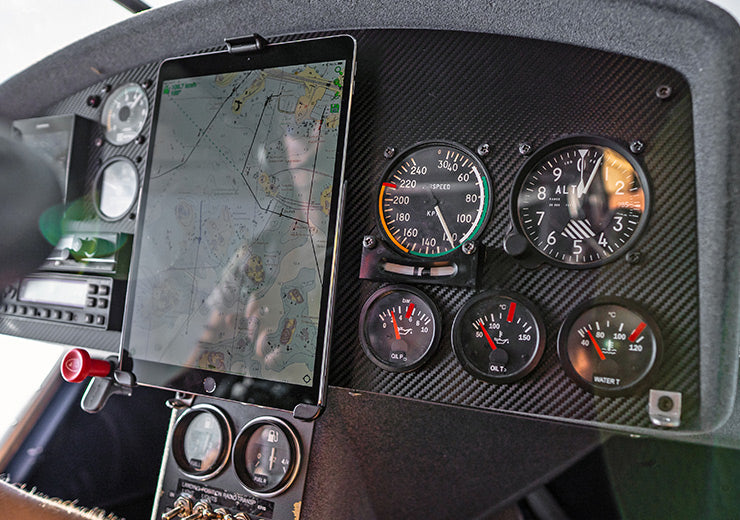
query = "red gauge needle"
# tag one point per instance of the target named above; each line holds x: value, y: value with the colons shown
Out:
x: 485, y: 333
x: 598, y: 349
x: 395, y: 326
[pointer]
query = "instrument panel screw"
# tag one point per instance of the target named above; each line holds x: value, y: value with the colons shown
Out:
x: 663, y: 92
x: 98, y: 142
x: 468, y: 247
x: 105, y: 89
x: 389, y: 152
x: 93, y: 101
x: 665, y: 403
x: 368, y: 242
x: 525, y: 148
x: 637, y: 146
x: 148, y: 83
x: 483, y: 149
x: 140, y: 139
x: 633, y: 257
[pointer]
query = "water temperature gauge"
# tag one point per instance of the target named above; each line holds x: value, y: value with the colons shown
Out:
x: 399, y: 328
x: 498, y: 337
x: 609, y: 346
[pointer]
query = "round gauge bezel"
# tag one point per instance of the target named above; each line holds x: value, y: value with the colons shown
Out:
x: 109, y: 100
x: 97, y: 191
x: 565, y: 142
x: 240, y: 445
x: 571, y: 372
x: 431, y: 350
x: 456, y: 337
x: 178, y: 437
x: 404, y: 155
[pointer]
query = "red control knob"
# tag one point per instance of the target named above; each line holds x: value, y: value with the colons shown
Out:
x: 77, y: 365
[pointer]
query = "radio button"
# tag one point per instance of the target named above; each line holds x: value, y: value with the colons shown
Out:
x: 103, y: 303
x: 92, y: 289
x: 100, y: 320
x: 89, y: 318
x: 22, y: 309
x: 104, y: 290
x: 69, y: 316
x: 91, y: 302
x: 12, y: 308
x: 45, y: 313
x: 57, y: 315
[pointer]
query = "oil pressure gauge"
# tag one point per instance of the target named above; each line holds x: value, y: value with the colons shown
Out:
x: 433, y: 199
x: 498, y: 337
x: 609, y: 346
x: 399, y: 328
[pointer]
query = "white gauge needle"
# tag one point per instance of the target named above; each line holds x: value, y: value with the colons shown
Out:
x: 444, y: 224
x: 272, y: 458
x: 591, y: 178
x: 136, y: 101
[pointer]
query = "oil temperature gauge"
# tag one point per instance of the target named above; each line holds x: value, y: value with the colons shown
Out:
x: 399, y: 328
x: 609, y: 346
x: 498, y: 337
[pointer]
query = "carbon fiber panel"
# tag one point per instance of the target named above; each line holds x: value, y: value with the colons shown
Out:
x: 471, y: 88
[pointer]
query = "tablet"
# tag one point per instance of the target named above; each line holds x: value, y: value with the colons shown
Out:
x: 232, y: 277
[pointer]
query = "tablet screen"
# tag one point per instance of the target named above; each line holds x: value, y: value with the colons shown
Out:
x: 231, y: 287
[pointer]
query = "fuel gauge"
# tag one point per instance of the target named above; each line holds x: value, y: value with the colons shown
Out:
x: 498, y: 337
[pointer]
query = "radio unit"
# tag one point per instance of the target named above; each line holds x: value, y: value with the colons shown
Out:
x: 90, y: 301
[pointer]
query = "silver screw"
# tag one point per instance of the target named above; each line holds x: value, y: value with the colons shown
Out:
x: 483, y: 149
x: 468, y: 247
x: 663, y: 92
x: 525, y: 148
x: 637, y: 146
x: 389, y: 152
x: 368, y: 242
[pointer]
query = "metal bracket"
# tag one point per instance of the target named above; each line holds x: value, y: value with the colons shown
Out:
x: 100, y: 389
x: 664, y: 408
x: 307, y: 412
x: 180, y: 401
x: 245, y: 44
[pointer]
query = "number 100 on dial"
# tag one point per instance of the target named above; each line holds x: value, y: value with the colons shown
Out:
x: 433, y: 199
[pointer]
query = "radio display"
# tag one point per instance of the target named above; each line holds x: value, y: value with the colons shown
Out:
x: 67, y: 293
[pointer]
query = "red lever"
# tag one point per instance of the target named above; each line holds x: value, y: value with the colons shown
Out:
x: 77, y: 365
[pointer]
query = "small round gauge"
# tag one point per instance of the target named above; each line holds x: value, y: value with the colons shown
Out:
x: 201, y: 441
x: 581, y: 201
x: 399, y: 328
x: 609, y: 346
x: 498, y: 337
x: 116, y: 188
x: 266, y: 456
x: 434, y: 198
x: 124, y: 114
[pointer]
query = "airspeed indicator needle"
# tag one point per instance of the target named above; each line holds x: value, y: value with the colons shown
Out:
x: 448, y: 235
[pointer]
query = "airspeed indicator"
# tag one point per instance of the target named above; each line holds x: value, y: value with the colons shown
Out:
x: 434, y: 198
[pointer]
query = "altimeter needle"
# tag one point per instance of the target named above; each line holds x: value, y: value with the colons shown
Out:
x: 448, y: 235
x: 591, y: 178
x: 488, y: 338
x: 596, y: 345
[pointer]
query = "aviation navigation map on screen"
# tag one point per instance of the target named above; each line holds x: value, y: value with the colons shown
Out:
x: 237, y: 217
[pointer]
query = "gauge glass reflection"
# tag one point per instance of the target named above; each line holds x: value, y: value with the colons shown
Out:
x: 118, y: 188
x: 201, y: 441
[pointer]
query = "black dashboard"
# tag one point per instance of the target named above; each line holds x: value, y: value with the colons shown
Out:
x: 512, y: 88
